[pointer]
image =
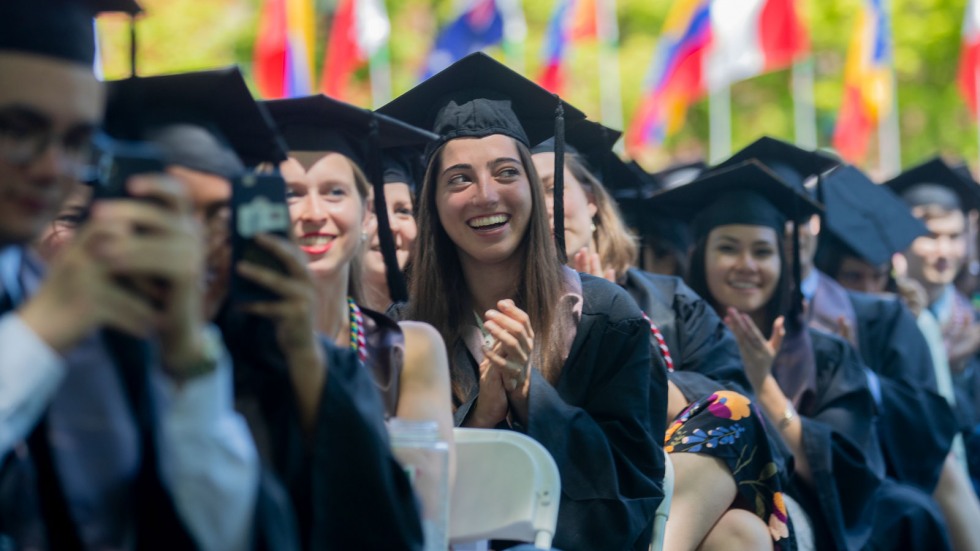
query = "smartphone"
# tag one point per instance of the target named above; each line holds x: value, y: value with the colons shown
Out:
x: 122, y: 161
x: 258, y: 205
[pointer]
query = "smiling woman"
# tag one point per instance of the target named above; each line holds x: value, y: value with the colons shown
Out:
x: 533, y: 345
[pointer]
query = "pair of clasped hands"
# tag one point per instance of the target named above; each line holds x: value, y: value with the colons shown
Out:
x: 505, y: 380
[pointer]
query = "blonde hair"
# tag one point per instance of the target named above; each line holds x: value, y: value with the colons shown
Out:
x: 615, y: 243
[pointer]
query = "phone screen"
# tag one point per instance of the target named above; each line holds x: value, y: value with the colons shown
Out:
x: 258, y: 205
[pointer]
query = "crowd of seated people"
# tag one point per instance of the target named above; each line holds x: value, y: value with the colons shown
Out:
x: 179, y: 372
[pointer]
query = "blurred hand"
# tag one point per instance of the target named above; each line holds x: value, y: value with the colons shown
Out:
x: 757, y: 353
x: 590, y: 263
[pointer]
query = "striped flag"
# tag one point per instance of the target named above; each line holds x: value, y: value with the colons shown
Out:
x: 970, y: 56
x: 283, y: 58
x: 752, y: 37
x: 483, y: 23
x: 677, y: 75
x: 572, y: 20
x: 360, y: 29
x: 867, y: 82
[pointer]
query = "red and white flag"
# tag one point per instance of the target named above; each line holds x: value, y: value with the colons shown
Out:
x: 360, y: 28
x: 752, y: 37
x: 970, y: 56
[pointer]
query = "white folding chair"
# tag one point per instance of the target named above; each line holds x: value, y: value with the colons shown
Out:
x: 507, y: 487
x: 660, y: 518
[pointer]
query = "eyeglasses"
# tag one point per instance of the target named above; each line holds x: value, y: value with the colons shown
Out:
x: 25, y: 137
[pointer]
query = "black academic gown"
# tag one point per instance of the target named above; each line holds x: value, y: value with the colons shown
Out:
x: 346, y: 489
x: 916, y: 425
x: 841, y: 447
x: 596, y: 422
x: 34, y: 509
x: 705, y: 352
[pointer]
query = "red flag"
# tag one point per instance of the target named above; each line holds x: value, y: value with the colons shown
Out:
x: 271, y: 47
x: 343, y: 51
x: 970, y: 57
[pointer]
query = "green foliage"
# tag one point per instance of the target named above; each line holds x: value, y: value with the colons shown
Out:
x: 182, y: 35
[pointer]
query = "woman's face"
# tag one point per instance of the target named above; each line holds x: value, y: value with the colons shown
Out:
x: 483, y: 197
x: 580, y: 207
x: 62, y: 229
x: 403, y: 228
x: 327, y: 212
x: 742, y: 266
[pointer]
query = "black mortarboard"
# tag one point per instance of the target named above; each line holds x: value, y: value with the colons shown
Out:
x: 589, y: 140
x: 404, y: 165
x: 746, y: 193
x: 321, y: 123
x: 935, y: 182
x: 792, y: 164
x: 61, y: 29
x: 680, y: 174
x: 167, y: 107
x: 478, y: 97
x: 867, y: 218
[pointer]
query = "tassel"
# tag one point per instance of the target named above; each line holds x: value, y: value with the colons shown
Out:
x: 396, y: 282
x: 559, y: 192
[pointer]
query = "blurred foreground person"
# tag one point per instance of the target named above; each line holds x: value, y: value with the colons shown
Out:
x: 106, y: 441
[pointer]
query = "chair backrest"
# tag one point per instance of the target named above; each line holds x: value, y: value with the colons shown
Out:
x: 507, y: 487
x: 660, y: 518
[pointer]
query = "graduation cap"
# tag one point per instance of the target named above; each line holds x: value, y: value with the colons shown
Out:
x: 404, y: 165
x: 589, y: 140
x: 868, y: 219
x: 478, y: 97
x: 936, y: 183
x: 321, y: 123
x: 56, y: 28
x: 792, y: 164
x: 172, y: 110
x: 745, y: 193
x: 680, y: 174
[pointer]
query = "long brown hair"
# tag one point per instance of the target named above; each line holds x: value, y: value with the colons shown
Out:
x: 615, y: 244
x: 437, y: 284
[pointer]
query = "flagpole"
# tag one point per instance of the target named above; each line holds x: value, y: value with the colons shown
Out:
x: 889, y: 141
x: 515, y: 33
x: 379, y: 69
x: 720, y: 123
x: 804, y: 110
x: 611, y: 99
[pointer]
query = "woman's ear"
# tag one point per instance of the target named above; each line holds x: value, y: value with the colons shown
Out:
x: 593, y: 206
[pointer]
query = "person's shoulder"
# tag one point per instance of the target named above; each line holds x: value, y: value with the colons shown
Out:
x: 603, y: 297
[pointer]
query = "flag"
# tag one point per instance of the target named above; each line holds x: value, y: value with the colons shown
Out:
x: 479, y: 26
x: 970, y: 56
x: 360, y: 29
x: 867, y: 82
x: 752, y: 37
x: 283, y: 57
x: 572, y: 20
x: 676, y: 76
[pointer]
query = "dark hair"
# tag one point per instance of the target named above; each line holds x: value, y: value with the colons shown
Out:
x: 778, y: 303
x: 830, y: 255
x: 438, y: 275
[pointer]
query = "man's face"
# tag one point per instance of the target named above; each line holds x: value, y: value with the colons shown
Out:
x: 48, y: 111
x: 935, y: 259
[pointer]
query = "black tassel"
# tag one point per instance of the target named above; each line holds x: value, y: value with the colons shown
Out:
x: 396, y: 282
x: 559, y: 180
x: 795, y: 318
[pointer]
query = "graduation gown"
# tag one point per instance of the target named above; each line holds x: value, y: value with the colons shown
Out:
x: 602, y: 421
x: 706, y: 354
x: 841, y: 447
x: 916, y: 425
x: 345, y: 487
